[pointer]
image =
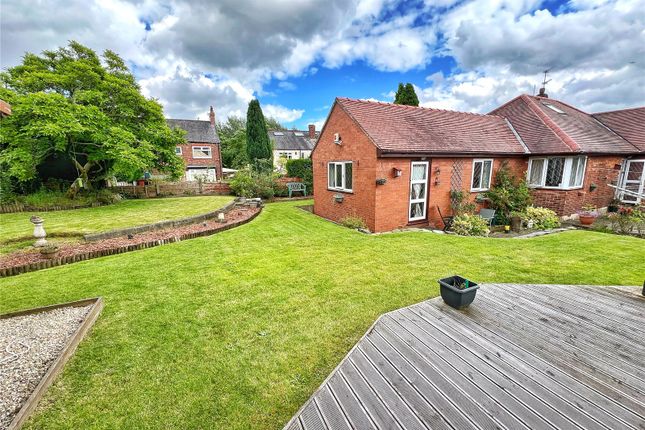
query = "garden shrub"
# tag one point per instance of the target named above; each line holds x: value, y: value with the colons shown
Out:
x: 628, y: 220
x: 353, y: 221
x: 541, y: 218
x: 302, y: 168
x: 48, y: 198
x: 460, y: 204
x: 470, y: 225
x: 250, y: 183
x: 508, y: 194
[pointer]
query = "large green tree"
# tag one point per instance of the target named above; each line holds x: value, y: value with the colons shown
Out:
x: 232, y: 134
x: 72, y: 104
x: 405, y: 95
x: 258, y: 145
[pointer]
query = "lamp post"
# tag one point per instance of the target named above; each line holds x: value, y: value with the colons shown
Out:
x: 39, y: 231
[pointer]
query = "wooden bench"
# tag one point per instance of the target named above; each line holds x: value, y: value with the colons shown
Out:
x: 297, y: 187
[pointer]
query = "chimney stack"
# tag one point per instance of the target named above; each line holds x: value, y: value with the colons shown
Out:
x: 312, y: 131
x: 212, y: 116
x: 543, y: 93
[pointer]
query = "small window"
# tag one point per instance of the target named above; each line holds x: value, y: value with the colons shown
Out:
x: 202, y: 152
x: 340, y: 175
x: 178, y: 150
x: 298, y: 133
x: 278, y: 133
x: 554, y: 108
x: 482, y: 173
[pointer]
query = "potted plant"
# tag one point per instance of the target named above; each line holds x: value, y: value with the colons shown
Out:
x: 588, y: 214
x: 49, y: 251
x: 458, y: 292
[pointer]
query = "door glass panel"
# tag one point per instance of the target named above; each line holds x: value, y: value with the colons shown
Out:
x: 418, y: 191
x: 417, y: 210
x: 419, y: 172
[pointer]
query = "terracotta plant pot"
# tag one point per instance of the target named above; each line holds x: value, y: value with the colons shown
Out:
x: 587, y: 219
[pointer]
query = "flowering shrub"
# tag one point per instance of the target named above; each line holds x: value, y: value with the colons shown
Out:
x: 628, y: 220
x: 470, y: 225
x: 540, y: 218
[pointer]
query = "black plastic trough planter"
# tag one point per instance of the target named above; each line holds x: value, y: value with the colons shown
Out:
x: 458, y: 292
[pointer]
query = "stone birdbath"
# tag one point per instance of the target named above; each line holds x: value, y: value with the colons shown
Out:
x: 39, y: 231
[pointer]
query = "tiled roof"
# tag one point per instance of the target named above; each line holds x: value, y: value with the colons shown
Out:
x: 551, y: 126
x: 292, y: 140
x: 628, y: 123
x: 409, y: 129
x: 196, y: 130
x: 5, y: 108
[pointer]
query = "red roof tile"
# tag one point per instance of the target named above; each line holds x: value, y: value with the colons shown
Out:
x: 628, y: 123
x: 416, y: 130
x: 551, y: 126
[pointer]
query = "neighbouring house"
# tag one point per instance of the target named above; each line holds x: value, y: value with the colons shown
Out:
x: 202, y: 152
x: 395, y: 166
x: 292, y: 144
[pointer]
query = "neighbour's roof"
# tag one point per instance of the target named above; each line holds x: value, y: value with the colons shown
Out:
x: 550, y: 126
x: 196, y: 130
x: 294, y: 140
x: 5, y: 108
x: 628, y: 123
x: 416, y: 130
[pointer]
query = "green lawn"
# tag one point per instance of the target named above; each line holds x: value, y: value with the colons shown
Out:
x: 236, y: 330
x: 15, y: 227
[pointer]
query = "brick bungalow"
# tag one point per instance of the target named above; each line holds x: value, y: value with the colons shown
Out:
x: 201, y: 152
x: 394, y: 166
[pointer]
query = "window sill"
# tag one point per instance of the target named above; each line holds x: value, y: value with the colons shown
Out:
x: 479, y: 190
x: 336, y: 190
x: 533, y: 187
x: 203, y: 158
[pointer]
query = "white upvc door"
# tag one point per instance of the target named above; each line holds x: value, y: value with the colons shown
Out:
x: 418, y: 191
x: 633, y: 180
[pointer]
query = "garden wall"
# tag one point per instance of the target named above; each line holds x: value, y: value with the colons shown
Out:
x: 173, y: 189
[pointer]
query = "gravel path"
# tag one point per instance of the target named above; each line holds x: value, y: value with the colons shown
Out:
x: 28, y: 346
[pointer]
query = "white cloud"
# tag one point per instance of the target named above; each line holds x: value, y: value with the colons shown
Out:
x: 281, y: 113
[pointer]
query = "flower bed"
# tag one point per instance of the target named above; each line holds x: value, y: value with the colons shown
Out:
x: 28, y: 261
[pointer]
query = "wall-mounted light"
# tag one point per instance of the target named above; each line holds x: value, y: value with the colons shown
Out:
x: 396, y: 172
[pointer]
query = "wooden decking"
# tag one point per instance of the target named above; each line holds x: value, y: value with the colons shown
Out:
x: 521, y: 357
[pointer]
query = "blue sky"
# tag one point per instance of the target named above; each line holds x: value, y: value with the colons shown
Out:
x: 297, y: 55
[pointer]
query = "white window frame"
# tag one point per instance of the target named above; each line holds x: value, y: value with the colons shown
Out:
x: 423, y: 200
x: 343, y: 165
x: 566, y: 173
x: 481, y: 174
x: 201, y: 148
x: 625, y: 198
x: 180, y: 152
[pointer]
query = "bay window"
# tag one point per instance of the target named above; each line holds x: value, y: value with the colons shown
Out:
x: 556, y: 172
x: 482, y: 173
x: 339, y: 175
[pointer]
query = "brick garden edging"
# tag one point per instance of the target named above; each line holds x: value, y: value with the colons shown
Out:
x: 31, y: 267
x: 158, y: 225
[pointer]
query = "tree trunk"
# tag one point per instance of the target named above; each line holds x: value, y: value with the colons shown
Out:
x: 83, y: 180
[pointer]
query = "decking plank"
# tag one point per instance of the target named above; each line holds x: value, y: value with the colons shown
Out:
x: 563, y: 334
x: 380, y: 415
x: 534, y: 376
x: 521, y: 356
x: 330, y: 410
x: 350, y: 404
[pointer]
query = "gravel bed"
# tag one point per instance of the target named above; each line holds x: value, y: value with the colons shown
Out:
x: 33, y: 255
x: 28, y: 346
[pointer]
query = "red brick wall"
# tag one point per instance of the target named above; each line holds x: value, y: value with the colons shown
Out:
x: 187, y: 155
x: 599, y: 171
x: 356, y: 147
